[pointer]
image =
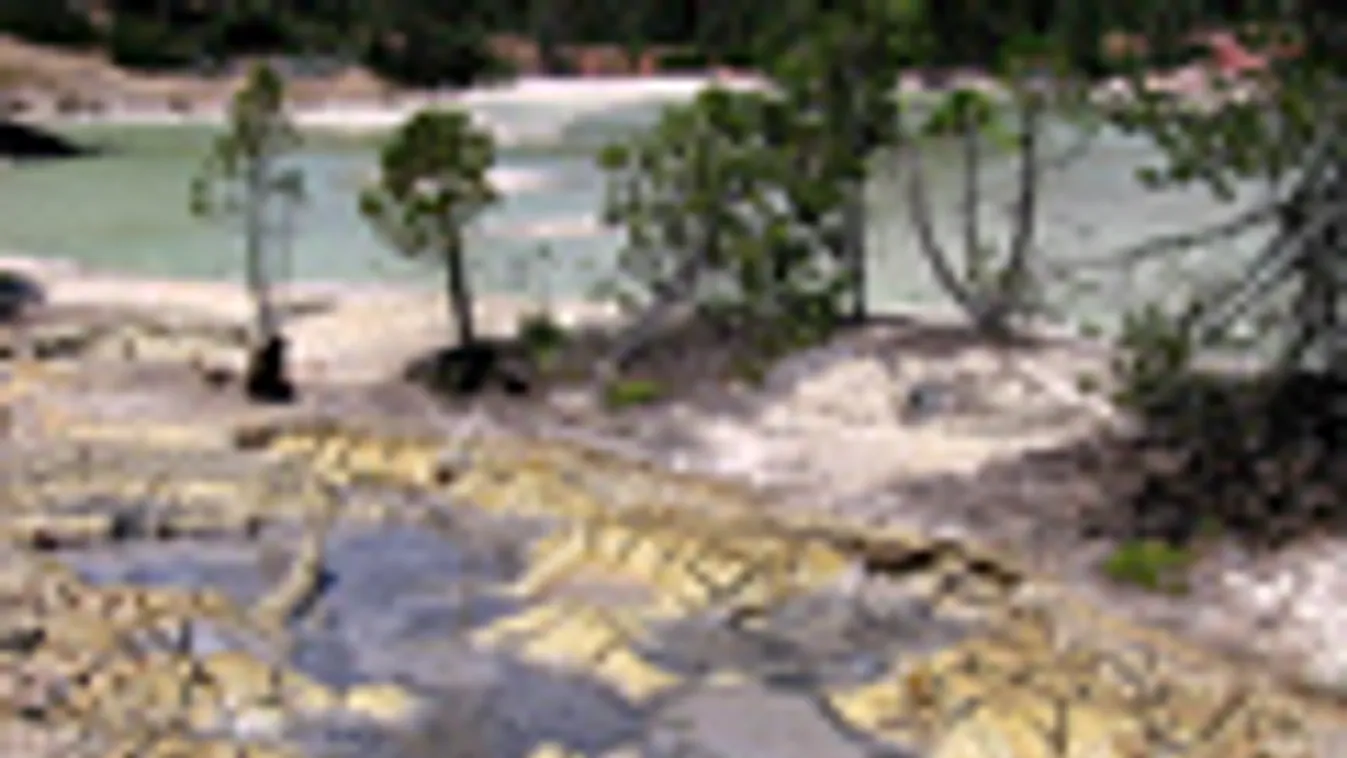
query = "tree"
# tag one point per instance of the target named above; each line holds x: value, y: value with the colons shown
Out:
x: 1277, y: 125
x: 999, y: 288
x: 433, y: 183
x: 722, y: 215
x: 245, y: 174
x: 1256, y: 454
x: 839, y: 67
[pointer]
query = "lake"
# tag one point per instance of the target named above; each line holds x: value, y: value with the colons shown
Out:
x: 127, y: 209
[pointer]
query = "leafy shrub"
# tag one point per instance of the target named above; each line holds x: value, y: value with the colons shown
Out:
x: 628, y: 393
x: 1150, y: 564
x: 141, y: 44
x: 1154, y: 359
x: 434, y: 55
x: 250, y: 33
x: 541, y: 336
x: 47, y: 23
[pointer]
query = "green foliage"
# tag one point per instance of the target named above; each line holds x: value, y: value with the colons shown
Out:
x: 1150, y: 564
x: 542, y: 337
x: 251, y: 32
x: 434, y: 181
x: 960, y: 110
x: 434, y: 55
x: 716, y: 206
x: 144, y: 44
x: 840, y: 67
x: 1278, y: 126
x: 684, y: 60
x: 1155, y: 353
x: 244, y: 175
x: 243, y: 169
x: 47, y: 23
x: 621, y: 394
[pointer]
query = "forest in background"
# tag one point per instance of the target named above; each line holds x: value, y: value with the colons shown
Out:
x: 430, y: 43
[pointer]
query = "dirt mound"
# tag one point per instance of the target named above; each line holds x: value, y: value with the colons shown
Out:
x: 89, y: 77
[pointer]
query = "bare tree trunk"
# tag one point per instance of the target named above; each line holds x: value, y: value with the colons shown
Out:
x: 853, y: 237
x: 975, y: 263
x: 259, y: 285
x: 268, y: 377
x: 459, y: 294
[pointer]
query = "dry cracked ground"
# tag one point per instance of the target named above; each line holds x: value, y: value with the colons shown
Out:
x: 323, y: 586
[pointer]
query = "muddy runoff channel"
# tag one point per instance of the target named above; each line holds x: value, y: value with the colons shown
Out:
x: 316, y: 590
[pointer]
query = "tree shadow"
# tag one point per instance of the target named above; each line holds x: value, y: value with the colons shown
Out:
x: 725, y: 364
x: 1258, y: 459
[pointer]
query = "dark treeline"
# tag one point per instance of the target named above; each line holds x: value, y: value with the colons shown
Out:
x: 433, y: 42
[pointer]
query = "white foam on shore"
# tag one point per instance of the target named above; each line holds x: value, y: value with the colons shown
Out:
x: 515, y: 180
x: 563, y: 227
x: 554, y: 100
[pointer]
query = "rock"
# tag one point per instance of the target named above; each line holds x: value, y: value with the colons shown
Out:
x: 23, y: 141
x: 751, y: 721
x: 386, y: 704
x: 18, y: 294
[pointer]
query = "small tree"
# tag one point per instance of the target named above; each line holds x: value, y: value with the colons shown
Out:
x: 433, y: 183
x: 244, y: 175
x: 838, y: 65
x: 998, y: 287
x: 726, y: 204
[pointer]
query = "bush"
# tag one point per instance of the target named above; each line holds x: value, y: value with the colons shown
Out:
x: 140, y: 44
x: 432, y: 55
x: 1150, y: 564
x: 684, y: 60
x: 628, y: 393
x: 250, y: 33
x: 541, y: 336
x: 47, y: 23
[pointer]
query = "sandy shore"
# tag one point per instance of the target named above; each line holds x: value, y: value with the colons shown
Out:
x: 340, y: 332
x: 363, y: 113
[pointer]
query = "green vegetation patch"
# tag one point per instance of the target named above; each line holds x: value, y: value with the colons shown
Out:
x: 1150, y: 564
x: 628, y: 393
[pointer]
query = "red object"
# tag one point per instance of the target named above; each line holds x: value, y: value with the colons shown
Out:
x: 1233, y: 58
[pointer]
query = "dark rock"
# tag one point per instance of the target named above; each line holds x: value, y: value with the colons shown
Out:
x: 18, y: 293
x: 23, y: 141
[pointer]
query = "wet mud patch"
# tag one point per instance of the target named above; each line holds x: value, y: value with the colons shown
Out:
x: 386, y: 590
x: 825, y: 639
x: 502, y: 708
x: 395, y: 612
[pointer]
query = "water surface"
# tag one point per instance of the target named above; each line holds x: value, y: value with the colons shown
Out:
x: 128, y: 209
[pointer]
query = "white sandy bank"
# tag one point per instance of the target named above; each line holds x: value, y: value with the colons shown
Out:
x: 565, y: 98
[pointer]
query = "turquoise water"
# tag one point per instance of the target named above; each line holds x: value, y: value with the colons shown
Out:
x: 127, y: 210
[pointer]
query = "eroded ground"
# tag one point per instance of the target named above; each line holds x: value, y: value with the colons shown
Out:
x: 306, y: 586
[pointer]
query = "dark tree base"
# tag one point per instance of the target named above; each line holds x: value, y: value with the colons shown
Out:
x: 472, y: 370
x: 266, y: 380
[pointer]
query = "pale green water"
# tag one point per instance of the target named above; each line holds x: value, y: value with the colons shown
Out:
x: 127, y: 210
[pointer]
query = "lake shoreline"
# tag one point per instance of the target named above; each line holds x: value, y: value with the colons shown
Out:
x: 361, y: 115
